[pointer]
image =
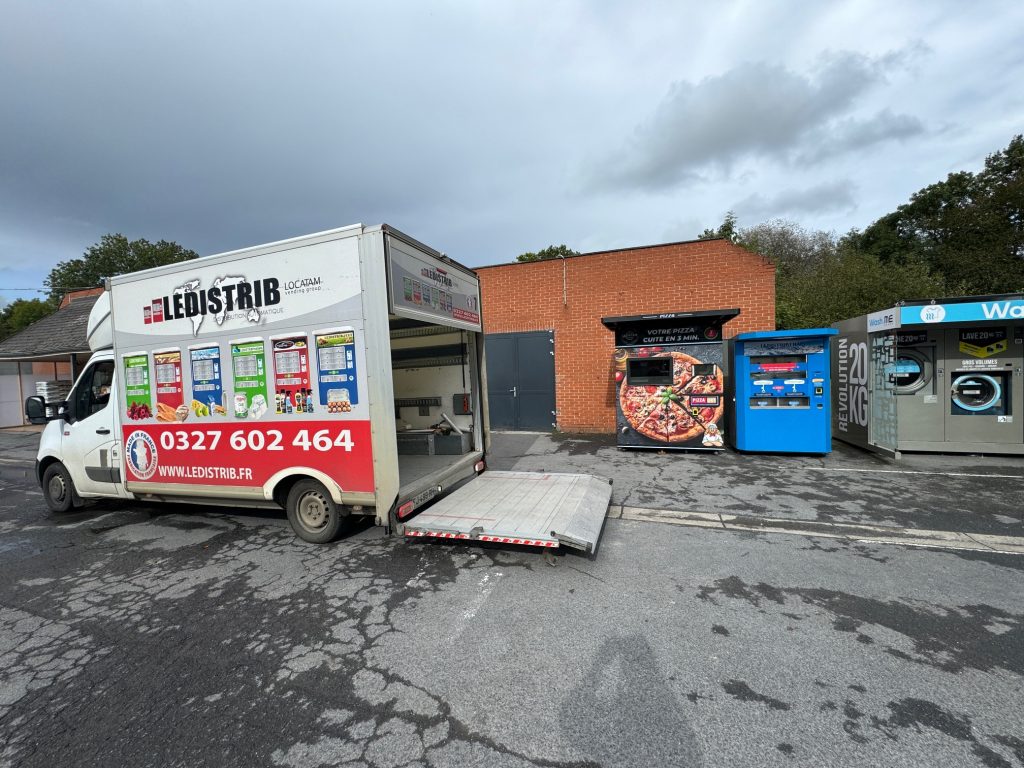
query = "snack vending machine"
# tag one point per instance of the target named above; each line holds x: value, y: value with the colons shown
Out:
x: 781, y: 389
x: 669, y: 371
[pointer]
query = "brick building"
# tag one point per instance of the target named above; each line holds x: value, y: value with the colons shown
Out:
x: 534, y: 308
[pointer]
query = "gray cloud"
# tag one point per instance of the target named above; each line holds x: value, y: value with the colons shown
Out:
x: 822, y: 198
x: 854, y: 134
x: 756, y: 110
x: 221, y: 125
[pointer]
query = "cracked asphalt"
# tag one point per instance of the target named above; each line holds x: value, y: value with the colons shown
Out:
x: 145, y: 635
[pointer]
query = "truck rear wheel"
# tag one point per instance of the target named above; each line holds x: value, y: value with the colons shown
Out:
x: 58, y: 490
x: 312, y: 512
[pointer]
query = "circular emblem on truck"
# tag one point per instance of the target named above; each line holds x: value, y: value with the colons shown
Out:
x: 140, y: 453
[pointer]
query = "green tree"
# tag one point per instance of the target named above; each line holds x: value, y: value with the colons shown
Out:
x: 820, y: 278
x: 551, y: 252
x: 847, y: 283
x: 969, y: 228
x: 727, y: 229
x: 112, y: 255
x: 21, y: 313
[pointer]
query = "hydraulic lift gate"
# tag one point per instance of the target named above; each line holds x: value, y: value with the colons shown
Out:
x: 532, y: 508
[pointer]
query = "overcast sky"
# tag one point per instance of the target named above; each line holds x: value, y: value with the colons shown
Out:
x: 483, y: 129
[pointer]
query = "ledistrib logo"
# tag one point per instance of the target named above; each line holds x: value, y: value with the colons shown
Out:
x: 711, y: 333
x: 140, y: 452
x: 227, y: 294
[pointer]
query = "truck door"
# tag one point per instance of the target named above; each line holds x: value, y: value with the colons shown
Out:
x: 89, y: 446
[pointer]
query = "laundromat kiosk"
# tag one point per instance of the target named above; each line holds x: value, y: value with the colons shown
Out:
x: 782, y: 392
x: 942, y: 375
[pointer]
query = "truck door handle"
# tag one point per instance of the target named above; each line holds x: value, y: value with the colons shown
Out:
x: 513, y: 391
x: 103, y: 431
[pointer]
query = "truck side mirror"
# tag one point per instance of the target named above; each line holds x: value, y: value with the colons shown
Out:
x: 35, y: 410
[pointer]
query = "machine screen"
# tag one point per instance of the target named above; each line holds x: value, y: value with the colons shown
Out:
x: 649, y: 371
x: 793, y: 359
x: 777, y: 363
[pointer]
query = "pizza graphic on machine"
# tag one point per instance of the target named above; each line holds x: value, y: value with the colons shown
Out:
x: 669, y: 372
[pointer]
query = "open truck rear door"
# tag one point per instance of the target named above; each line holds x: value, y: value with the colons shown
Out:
x: 537, y: 509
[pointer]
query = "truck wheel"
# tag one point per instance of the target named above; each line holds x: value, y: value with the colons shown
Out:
x: 58, y: 490
x: 312, y: 512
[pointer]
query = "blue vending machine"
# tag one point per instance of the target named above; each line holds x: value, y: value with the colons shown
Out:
x: 780, y: 383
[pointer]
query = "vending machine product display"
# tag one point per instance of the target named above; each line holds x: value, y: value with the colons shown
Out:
x: 249, y: 370
x: 336, y: 369
x: 169, y: 393
x: 207, y: 381
x: 138, y: 397
x: 292, y: 394
x: 782, y: 391
x: 669, y: 372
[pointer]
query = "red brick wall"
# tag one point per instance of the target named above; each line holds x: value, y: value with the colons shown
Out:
x: 678, y: 277
x: 80, y: 294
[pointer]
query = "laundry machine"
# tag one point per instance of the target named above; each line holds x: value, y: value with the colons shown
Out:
x: 916, y: 379
x: 983, y: 398
x: 953, y: 367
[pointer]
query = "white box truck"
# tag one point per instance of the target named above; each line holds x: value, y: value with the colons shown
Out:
x: 335, y: 374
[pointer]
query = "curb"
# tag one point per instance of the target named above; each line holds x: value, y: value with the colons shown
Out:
x: 865, y: 534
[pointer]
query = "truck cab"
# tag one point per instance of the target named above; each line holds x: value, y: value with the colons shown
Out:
x: 79, y: 451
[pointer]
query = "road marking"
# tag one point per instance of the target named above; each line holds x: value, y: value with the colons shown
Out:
x: 917, y: 472
x: 853, y: 532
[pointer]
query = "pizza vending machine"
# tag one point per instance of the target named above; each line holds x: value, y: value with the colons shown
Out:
x: 669, y: 376
x: 782, y: 391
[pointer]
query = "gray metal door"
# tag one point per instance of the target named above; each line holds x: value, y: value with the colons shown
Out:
x: 521, y: 380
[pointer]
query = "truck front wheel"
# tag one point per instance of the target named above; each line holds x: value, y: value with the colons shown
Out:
x: 312, y: 512
x: 58, y: 490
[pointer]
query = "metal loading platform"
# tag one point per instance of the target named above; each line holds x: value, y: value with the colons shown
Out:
x: 534, y: 509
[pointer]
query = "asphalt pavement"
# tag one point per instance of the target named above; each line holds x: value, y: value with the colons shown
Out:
x: 975, y: 494
x: 142, y: 635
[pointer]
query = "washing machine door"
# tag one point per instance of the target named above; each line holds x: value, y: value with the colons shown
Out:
x: 976, y: 392
x: 912, y: 371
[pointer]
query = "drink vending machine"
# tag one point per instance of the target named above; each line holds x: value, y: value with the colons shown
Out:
x: 669, y: 371
x: 781, y: 389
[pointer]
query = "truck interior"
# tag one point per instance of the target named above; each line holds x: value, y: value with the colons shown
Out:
x: 434, y: 370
